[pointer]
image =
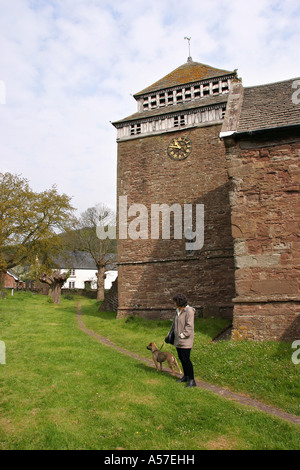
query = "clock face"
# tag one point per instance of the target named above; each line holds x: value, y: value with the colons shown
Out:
x: 179, y: 148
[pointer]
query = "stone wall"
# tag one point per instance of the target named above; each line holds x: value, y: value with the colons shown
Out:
x: 152, y: 271
x: 110, y: 302
x: 265, y: 204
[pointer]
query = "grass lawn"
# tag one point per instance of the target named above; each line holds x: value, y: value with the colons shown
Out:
x: 262, y: 370
x: 61, y: 389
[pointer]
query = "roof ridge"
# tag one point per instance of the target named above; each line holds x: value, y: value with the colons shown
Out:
x: 272, y: 83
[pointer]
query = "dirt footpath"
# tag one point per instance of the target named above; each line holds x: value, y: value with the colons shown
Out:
x: 212, y: 388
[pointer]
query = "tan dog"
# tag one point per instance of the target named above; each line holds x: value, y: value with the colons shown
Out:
x: 160, y: 357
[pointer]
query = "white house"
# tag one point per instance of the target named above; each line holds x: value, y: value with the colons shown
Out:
x: 84, y: 271
x: 111, y: 276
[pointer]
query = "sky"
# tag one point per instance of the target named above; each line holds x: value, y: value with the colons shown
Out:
x: 68, y: 68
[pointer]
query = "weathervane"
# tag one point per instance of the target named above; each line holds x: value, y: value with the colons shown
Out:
x: 189, y: 57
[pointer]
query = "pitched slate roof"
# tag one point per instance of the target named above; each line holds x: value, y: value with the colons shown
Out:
x: 269, y: 106
x: 187, y: 73
x: 83, y: 260
x: 12, y: 274
x: 76, y: 260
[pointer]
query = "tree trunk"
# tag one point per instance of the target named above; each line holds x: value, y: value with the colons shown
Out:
x: 100, y: 283
x: 56, y: 281
x: 55, y: 291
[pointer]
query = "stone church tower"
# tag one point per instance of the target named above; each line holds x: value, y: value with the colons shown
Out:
x: 170, y: 153
x: 201, y: 139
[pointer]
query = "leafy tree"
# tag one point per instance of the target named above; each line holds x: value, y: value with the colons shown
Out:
x: 30, y: 222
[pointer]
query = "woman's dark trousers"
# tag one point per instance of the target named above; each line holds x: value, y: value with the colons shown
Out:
x: 184, y: 357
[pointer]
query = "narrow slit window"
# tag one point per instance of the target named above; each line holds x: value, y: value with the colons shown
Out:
x: 146, y: 104
x: 162, y: 99
x: 188, y: 94
x: 170, y: 97
x: 197, y: 91
x: 179, y: 96
x: 206, y: 90
x: 153, y: 101
x: 215, y: 88
x: 225, y: 86
x: 189, y: 246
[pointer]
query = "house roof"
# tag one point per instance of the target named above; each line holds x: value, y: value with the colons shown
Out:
x: 262, y: 107
x: 12, y: 274
x: 187, y: 73
x: 83, y: 260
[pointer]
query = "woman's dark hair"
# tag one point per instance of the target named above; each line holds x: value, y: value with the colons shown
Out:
x: 180, y: 300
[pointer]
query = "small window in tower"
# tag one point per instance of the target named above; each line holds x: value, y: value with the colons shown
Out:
x: 197, y: 91
x: 135, y: 129
x: 176, y: 121
x: 223, y: 111
x: 170, y: 97
x: 225, y: 86
x: 206, y: 90
x: 182, y: 120
x: 188, y: 95
x: 189, y: 243
x: 179, y: 96
x: 162, y: 99
x: 153, y: 101
x: 146, y: 103
x: 215, y: 88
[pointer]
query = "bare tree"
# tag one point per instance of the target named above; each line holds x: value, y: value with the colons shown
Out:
x: 92, y: 225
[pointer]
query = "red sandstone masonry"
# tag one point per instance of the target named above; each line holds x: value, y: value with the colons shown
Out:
x: 265, y: 217
x: 152, y: 271
x: 271, y: 321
